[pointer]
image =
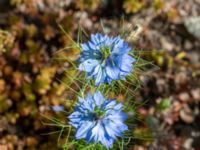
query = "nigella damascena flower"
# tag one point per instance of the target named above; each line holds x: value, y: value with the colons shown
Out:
x: 98, y: 119
x: 105, y: 58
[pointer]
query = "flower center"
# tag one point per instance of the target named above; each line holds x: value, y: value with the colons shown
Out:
x: 98, y: 113
x: 105, y: 52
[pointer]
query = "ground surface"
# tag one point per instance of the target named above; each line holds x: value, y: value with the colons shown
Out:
x: 30, y: 38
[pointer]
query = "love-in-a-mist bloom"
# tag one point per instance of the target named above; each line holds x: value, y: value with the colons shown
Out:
x: 98, y: 119
x: 105, y: 58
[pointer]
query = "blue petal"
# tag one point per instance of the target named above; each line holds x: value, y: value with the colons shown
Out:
x: 88, y: 97
x: 93, y: 46
x: 83, y: 129
x: 112, y: 72
x: 118, y: 106
x: 116, y: 115
x: 98, y: 132
x: 99, y: 135
x: 126, y: 63
x: 114, y: 127
x: 85, y: 47
x: 88, y: 103
x: 98, y: 97
x: 108, y: 80
x: 88, y: 65
x: 121, y: 48
x: 75, y: 114
x: 96, y: 38
x: 110, y: 131
x: 99, y: 76
x: 94, y: 72
x: 109, y: 104
x: 75, y: 119
x: 124, y: 74
x: 99, y: 39
x: 80, y: 99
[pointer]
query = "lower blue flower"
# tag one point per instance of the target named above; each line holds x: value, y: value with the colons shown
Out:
x: 98, y: 119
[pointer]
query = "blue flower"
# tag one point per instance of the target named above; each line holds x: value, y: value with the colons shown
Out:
x: 98, y: 119
x: 105, y: 58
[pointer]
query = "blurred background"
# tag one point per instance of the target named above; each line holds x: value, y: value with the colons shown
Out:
x: 30, y: 38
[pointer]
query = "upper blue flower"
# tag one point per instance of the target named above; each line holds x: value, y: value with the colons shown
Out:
x: 98, y: 119
x: 105, y: 58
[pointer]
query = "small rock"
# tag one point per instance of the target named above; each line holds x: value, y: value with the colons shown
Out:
x: 187, y: 115
x: 188, y: 143
x: 176, y: 106
x: 166, y: 44
x: 192, y: 24
x: 196, y: 94
x: 184, y: 97
x: 188, y: 45
x: 181, y: 78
